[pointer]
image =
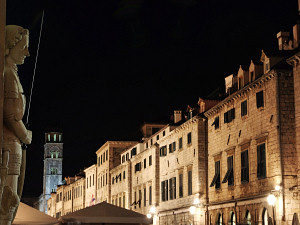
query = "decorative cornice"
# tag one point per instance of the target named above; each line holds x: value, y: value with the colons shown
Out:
x: 294, y: 60
x: 240, y: 93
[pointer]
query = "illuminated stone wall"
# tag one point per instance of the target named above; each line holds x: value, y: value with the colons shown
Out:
x: 190, y: 157
x: 271, y: 125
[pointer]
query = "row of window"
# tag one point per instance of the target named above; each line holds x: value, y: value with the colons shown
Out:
x: 132, y: 153
x: 101, y: 159
x: 230, y: 114
x: 54, y: 138
x: 138, y: 166
x: 157, y: 138
x: 53, y: 171
x: 54, y: 154
x: 168, y: 187
x: 172, y: 146
x: 118, y: 178
x: 118, y: 203
x: 102, y: 180
x: 229, y: 176
x: 90, y: 181
x: 143, y: 199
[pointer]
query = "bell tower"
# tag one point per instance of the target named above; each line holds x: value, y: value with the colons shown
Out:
x: 53, y: 157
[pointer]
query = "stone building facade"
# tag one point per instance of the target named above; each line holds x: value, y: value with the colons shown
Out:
x: 251, y: 148
x: 108, y: 157
x: 182, y: 174
x: 91, y: 185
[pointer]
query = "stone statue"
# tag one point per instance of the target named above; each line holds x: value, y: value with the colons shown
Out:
x: 14, y: 131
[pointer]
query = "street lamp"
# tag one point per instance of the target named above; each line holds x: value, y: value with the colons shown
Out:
x: 152, y: 212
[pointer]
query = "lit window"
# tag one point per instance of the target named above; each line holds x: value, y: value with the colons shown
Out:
x: 49, y: 137
x: 59, y: 138
x: 54, y: 137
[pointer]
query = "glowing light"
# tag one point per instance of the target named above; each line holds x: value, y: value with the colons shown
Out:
x: 196, y: 201
x: 271, y: 199
x: 277, y: 188
x: 152, y: 209
x: 149, y: 215
x: 192, y: 210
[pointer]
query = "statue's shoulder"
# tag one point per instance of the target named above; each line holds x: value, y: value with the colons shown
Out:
x: 10, y: 84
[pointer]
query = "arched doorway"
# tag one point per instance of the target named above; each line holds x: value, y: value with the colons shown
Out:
x: 248, y: 217
x: 232, y: 218
x: 265, y: 216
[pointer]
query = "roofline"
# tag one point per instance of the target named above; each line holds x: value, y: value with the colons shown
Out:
x: 115, y: 142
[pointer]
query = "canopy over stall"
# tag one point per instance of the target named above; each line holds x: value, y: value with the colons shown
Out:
x: 105, y: 213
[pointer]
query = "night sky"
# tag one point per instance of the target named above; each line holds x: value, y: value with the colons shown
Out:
x: 105, y: 67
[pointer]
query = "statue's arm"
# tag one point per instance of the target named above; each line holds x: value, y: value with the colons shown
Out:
x: 13, y: 112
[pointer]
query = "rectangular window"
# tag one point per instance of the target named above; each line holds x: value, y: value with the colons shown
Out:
x: 170, y: 148
x: 229, y: 115
x: 190, y: 183
x: 229, y: 174
x: 124, y: 201
x: 157, y: 137
x: 216, y: 123
x: 180, y: 185
x: 101, y: 159
x: 172, y: 188
x: 163, y: 151
x: 261, y: 161
x: 189, y: 138
x: 164, y: 190
x: 180, y: 143
x: 244, y: 167
x: 120, y: 201
x: 216, y: 180
x: 164, y: 133
x: 106, y: 154
x: 135, y: 200
x: 106, y: 178
x: 140, y: 198
x: 244, y: 108
x: 104, y: 157
x: 127, y: 156
x: 260, y: 99
x: 146, y: 144
x: 150, y: 195
x: 138, y: 167
x: 150, y: 160
x: 123, y: 158
x: 145, y: 163
x: 123, y: 175
x: 145, y: 196
x: 174, y: 146
x: 133, y: 152
x: 93, y: 179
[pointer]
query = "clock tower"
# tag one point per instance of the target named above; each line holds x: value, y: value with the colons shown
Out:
x: 53, y: 156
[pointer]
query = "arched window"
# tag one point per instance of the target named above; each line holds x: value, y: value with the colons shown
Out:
x: 248, y: 217
x: 56, y: 154
x: 265, y: 217
x: 59, y: 138
x: 49, y: 137
x: 51, y: 155
x: 54, y: 137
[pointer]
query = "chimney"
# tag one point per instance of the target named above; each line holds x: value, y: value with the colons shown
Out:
x: 296, y: 35
x: 177, y: 116
x: 283, y: 40
x: 228, y: 83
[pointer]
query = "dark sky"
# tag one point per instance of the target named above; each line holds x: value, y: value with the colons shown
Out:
x: 106, y: 66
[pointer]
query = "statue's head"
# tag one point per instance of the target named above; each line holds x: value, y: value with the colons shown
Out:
x: 16, y: 44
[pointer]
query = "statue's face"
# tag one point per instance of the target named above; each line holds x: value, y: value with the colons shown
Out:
x: 19, y: 52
